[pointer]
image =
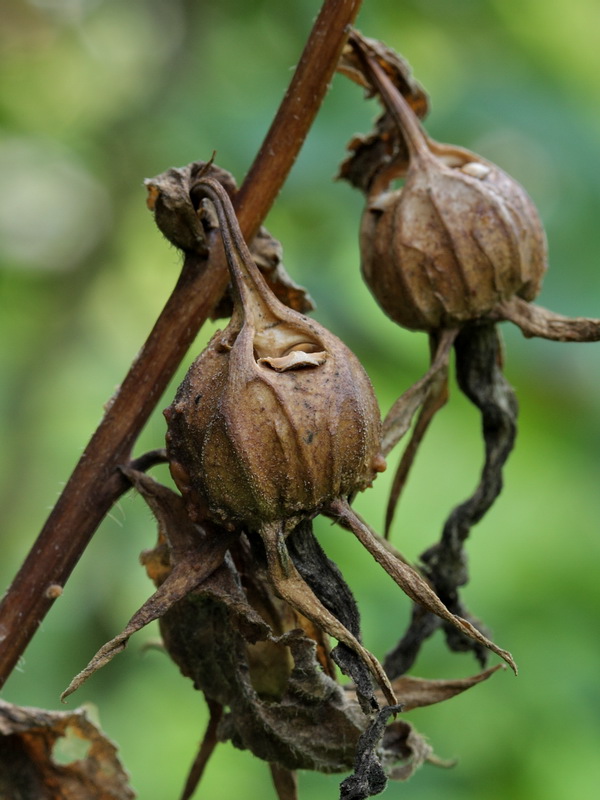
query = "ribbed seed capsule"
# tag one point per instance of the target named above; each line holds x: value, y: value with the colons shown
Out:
x: 457, y: 239
x: 276, y: 417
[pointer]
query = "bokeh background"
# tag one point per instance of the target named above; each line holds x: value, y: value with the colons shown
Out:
x: 99, y: 94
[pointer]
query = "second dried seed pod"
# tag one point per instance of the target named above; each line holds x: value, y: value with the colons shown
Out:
x: 457, y: 239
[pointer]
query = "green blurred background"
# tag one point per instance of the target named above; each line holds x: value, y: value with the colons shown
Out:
x: 99, y: 94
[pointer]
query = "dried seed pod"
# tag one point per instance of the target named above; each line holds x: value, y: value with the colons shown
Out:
x: 457, y: 239
x: 274, y: 420
x: 276, y: 417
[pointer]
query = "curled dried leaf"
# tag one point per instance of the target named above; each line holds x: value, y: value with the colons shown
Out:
x: 176, y: 216
x: 383, y: 154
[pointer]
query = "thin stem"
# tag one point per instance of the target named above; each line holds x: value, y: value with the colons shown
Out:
x: 96, y: 482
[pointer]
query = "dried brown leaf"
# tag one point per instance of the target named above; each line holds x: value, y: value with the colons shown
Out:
x: 194, y: 557
x: 382, y: 155
x: 49, y: 754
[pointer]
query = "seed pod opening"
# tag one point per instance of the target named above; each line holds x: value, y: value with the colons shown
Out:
x: 457, y: 239
x: 277, y: 416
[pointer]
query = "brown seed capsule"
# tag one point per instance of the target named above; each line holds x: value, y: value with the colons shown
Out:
x: 458, y: 238
x: 276, y: 417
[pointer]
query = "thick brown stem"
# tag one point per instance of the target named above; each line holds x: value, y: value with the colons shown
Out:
x: 96, y: 482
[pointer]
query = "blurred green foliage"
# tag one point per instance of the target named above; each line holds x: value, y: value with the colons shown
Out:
x: 99, y: 94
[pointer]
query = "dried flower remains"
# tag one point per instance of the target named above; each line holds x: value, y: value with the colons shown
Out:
x: 275, y: 423
x: 458, y: 248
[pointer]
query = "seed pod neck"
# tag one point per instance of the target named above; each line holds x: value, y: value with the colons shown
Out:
x: 398, y: 108
x: 275, y: 330
x: 423, y: 151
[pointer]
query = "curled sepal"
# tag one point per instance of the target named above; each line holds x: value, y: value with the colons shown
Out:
x: 534, y: 320
x: 400, y: 415
x: 408, y: 578
x: 292, y: 587
x: 190, y: 567
x: 430, y: 393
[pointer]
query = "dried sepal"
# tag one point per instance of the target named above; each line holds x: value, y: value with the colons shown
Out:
x: 534, y: 320
x: 428, y: 395
x: 408, y: 578
x: 207, y: 747
x: 416, y: 692
x: 192, y: 558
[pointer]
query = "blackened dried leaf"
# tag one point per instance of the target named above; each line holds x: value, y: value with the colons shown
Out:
x: 369, y: 777
x: 479, y: 375
x: 49, y: 754
x: 422, y: 625
x: 382, y: 155
x: 327, y: 582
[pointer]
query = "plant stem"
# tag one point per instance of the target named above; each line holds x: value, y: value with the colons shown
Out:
x: 96, y: 482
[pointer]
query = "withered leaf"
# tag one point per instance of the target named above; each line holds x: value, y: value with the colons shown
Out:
x: 196, y: 556
x: 171, y: 199
x: 415, y: 692
x: 382, y: 155
x: 49, y: 754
